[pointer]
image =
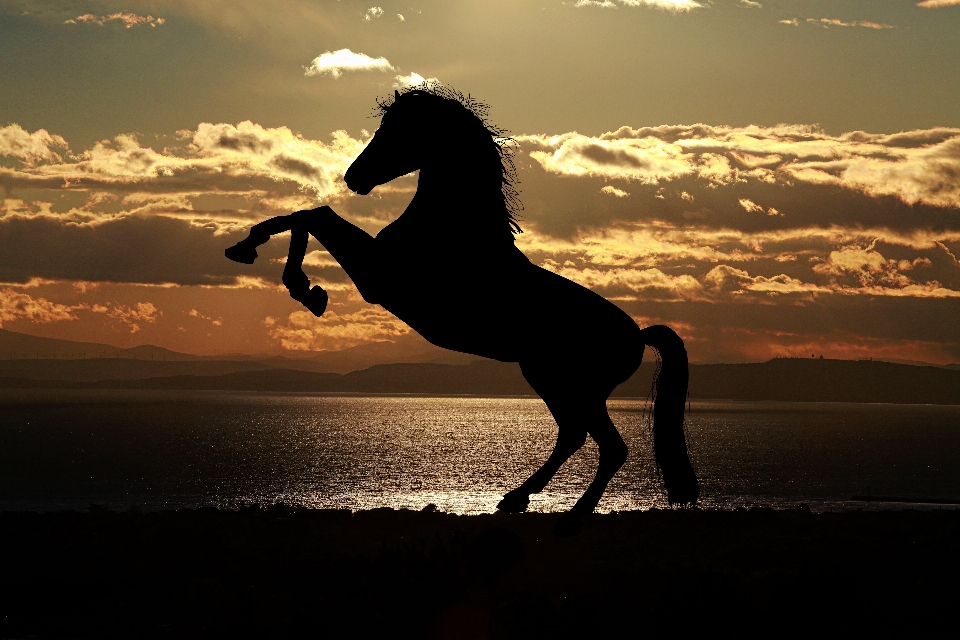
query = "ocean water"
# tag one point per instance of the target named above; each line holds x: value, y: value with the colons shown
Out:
x: 171, y: 449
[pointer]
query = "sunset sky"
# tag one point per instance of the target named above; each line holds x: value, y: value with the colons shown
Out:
x: 770, y: 178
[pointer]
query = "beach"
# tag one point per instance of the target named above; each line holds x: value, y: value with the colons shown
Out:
x: 281, y: 572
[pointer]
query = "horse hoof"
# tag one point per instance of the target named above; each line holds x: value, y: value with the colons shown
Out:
x: 568, y: 525
x: 513, y: 503
x: 242, y: 253
x: 682, y: 485
x: 316, y: 301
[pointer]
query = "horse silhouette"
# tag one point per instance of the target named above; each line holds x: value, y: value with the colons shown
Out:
x: 449, y: 268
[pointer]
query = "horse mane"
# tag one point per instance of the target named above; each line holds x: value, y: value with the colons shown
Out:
x: 505, y: 145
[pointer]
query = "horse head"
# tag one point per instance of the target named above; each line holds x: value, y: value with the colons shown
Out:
x: 413, y: 128
x: 394, y: 151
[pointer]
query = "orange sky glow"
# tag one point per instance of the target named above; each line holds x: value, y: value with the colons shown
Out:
x: 126, y: 170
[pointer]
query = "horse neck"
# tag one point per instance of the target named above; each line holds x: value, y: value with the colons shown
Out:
x: 456, y: 196
x: 455, y: 203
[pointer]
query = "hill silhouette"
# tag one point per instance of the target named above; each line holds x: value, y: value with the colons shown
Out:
x: 781, y: 379
x: 403, y: 349
x: 22, y: 346
x: 38, y: 358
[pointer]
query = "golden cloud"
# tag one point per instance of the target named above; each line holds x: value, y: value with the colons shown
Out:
x: 833, y: 22
x: 127, y: 19
x: 334, y: 63
x: 678, y: 6
x: 633, y: 258
x: 914, y: 166
x: 243, y: 159
x: 30, y: 148
x: 131, y: 316
x: 305, y: 332
x: 718, y: 174
x: 15, y: 305
x: 647, y: 160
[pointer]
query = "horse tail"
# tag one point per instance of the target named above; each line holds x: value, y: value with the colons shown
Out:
x: 669, y: 398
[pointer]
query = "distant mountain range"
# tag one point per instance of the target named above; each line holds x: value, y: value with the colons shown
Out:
x: 22, y: 346
x: 780, y: 379
x: 27, y: 356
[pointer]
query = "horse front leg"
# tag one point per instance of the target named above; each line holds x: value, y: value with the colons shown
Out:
x: 245, y: 251
x: 352, y: 247
x: 349, y: 245
x: 296, y: 281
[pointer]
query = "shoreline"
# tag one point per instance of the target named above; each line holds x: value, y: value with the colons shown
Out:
x: 16, y: 395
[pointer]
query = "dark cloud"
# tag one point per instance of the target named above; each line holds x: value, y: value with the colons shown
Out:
x: 133, y: 249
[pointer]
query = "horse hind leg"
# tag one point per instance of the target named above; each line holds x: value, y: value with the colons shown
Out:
x: 613, y: 453
x: 570, y: 437
x: 575, y: 419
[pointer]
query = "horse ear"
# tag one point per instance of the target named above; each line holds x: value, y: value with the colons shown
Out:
x: 396, y: 94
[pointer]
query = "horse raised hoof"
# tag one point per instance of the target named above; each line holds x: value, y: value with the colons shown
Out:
x: 315, y: 300
x: 569, y: 525
x: 513, y: 503
x: 242, y: 252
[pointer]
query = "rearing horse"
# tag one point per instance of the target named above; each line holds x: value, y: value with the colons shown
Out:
x: 449, y: 268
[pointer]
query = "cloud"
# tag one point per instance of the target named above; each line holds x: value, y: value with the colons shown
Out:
x: 217, y: 322
x: 750, y: 4
x: 613, y: 191
x: 833, y: 22
x: 677, y: 6
x: 129, y: 20
x: 937, y: 4
x: 334, y: 63
x: 30, y: 148
x: 644, y: 159
x: 917, y: 167
x: 303, y: 331
x: 700, y: 197
x: 752, y: 207
x: 241, y: 159
x: 15, y: 305
x: 131, y: 316
x: 152, y: 249
x: 413, y: 79
x: 870, y: 222
x: 656, y: 261
x: 372, y: 14
x: 871, y: 269
x: 669, y: 5
x: 650, y: 283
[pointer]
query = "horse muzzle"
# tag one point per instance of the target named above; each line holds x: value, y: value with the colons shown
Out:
x: 355, y: 185
x: 364, y: 190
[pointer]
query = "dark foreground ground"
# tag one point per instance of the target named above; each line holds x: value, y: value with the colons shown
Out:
x: 281, y: 573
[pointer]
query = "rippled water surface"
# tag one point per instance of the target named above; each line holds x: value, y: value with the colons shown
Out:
x: 156, y: 450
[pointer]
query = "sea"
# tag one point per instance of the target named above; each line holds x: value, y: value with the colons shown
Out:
x: 157, y: 450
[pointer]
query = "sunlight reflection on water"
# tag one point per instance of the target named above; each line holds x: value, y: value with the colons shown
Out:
x: 187, y: 449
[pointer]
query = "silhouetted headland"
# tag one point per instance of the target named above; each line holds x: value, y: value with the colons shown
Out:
x: 285, y: 573
x: 782, y: 379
